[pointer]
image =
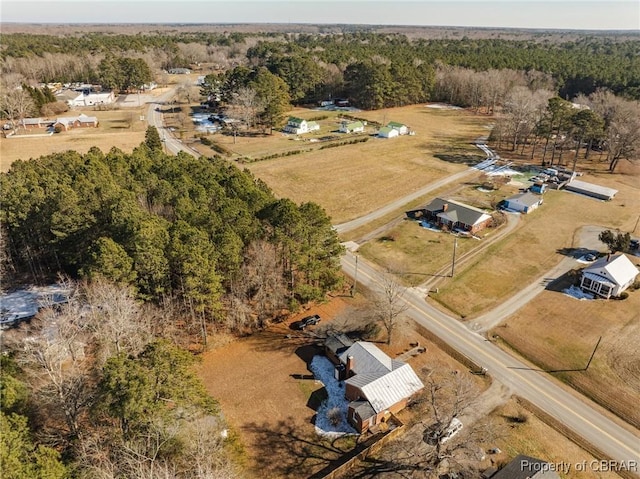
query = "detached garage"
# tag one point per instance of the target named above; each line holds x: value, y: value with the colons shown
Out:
x: 523, y: 202
x: 387, y: 132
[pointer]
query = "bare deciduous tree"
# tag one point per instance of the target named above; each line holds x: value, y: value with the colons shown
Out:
x: 244, y: 106
x: 390, y: 303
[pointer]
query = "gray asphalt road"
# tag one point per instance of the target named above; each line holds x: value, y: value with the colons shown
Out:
x: 577, y: 413
x: 171, y: 144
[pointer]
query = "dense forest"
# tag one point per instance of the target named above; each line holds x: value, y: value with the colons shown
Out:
x: 578, y: 66
x: 195, y: 230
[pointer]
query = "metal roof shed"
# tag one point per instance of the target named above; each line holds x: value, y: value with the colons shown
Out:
x: 589, y: 189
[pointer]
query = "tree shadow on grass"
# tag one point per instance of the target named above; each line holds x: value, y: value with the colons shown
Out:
x: 559, y: 284
x: 459, y: 159
x: 284, y: 451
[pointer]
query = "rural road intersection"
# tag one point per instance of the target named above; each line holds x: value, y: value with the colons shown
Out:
x: 583, y: 417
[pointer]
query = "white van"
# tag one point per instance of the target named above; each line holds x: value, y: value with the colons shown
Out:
x: 454, y: 427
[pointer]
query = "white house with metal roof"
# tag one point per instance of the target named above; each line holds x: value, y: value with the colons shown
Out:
x: 376, y: 385
x: 298, y: 126
x: 609, y: 276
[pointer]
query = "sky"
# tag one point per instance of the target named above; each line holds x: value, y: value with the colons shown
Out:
x: 549, y: 14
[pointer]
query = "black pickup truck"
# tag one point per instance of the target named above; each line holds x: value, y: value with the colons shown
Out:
x: 307, y: 321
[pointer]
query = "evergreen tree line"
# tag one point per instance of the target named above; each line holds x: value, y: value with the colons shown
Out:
x: 198, y: 232
x: 316, y: 66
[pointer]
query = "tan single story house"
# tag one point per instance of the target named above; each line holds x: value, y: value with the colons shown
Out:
x: 80, y: 121
x: 453, y: 215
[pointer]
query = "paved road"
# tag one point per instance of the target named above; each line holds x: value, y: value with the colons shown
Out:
x: 579, y: 414
x: 154, y: 117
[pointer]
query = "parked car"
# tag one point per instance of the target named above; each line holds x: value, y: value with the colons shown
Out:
x: 307, y: 321
x: 454, y: 427
x: 590, y: 257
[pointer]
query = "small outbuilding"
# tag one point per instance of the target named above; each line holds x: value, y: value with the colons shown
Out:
x: 523, y: 202
x: 609, y: 276
x: 526, y: 467
x: 387, y: 132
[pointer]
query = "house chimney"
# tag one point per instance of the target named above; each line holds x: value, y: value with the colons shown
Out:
x: 445, y: 207
x: 349, y: 366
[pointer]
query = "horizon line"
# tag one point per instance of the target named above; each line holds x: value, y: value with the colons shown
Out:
x: 324, y: 24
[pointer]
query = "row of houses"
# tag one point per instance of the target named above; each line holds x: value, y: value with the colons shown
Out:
x: 299, y: 126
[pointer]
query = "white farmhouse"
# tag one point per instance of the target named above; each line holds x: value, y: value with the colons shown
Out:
x: 298, y: 126
x: 609, y: 276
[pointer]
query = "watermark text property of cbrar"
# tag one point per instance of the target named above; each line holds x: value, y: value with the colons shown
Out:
x: 584, y: 466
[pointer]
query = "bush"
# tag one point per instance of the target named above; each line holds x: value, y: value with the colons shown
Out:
x: 58, y: 129
x: 623, y: 295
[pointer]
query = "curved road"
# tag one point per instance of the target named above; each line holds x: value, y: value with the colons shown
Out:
x: 579, y: 414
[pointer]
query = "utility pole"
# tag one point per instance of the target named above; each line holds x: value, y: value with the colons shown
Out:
x: 453, y: 261
x: 355, y: 279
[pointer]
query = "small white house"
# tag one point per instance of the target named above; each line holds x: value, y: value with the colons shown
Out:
x: 351, y: 127
x: 387, y: 132
x: 523, y: 202
x: 298, y: 126
x: 399, y: 127
x: 609, y: 276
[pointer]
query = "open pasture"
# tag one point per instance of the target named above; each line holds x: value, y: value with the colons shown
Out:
x: 351, y: 180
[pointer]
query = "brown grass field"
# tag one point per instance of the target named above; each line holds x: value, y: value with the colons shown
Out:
x: 349, y: 181
x: 536, y: 439
x: 515, y: 261
x: 120, y: 128
x: 414, y: 251
x: 558, y: 332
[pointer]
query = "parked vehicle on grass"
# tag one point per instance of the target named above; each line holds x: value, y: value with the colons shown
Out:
x: 307, y: 321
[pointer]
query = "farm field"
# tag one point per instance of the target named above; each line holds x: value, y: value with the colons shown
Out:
x: 558, y: 332
x: 515, y: 261
x: 120, y: 128
x: 349, y: 181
